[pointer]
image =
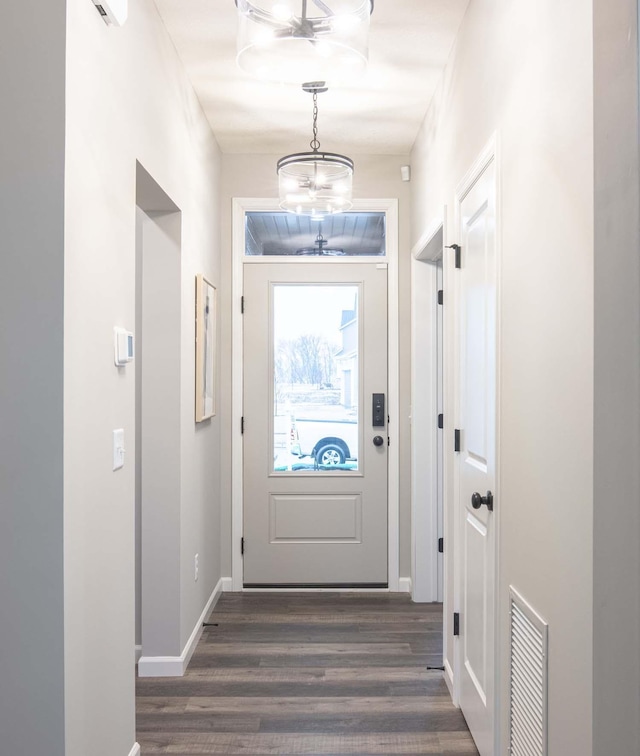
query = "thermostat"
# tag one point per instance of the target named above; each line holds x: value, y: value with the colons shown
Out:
x: 123, y: 346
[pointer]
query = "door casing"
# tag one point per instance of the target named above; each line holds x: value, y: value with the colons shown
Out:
x: 426, y: 439
x: 240, y: 207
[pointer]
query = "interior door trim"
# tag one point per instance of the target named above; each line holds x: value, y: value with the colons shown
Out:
x: 426, y: 506
x: 241, y: 206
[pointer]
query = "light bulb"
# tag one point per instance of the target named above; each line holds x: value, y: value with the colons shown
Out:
x: 282, y: 12
x: 345, y: 22
x: 264, y: 37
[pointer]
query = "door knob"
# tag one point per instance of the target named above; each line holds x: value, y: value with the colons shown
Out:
x: 477, y: 500
x: 378, y: 440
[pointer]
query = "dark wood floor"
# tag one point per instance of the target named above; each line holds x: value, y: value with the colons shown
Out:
x: 308, y: 673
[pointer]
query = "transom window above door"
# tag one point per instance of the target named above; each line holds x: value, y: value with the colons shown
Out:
x: 341, y: 235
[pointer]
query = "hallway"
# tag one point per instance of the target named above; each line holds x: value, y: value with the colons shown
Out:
x: 296, y: 673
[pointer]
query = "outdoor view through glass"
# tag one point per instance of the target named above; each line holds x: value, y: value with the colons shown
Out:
x: 316, y: 377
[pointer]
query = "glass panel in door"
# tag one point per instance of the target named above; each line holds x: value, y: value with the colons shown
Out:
x: 315, y: 345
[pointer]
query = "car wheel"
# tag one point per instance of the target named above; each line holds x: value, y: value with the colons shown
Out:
x: 330, y: 454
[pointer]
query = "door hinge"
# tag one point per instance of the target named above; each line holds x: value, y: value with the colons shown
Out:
x: 440, y: 545
x: 456, y: 440
x: 440, y: 296
x: 242, y: 305
x: 458, y: 252
x: 456, y: 623
x: 441, y: 421
x: 242, y: 425
x: 242, y: 546
x: 388, y: 441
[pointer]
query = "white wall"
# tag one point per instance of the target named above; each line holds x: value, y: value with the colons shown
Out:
x: 616, y: 689
x: 375, y: 176
x: 159, y: 437
x: 524, y: 70
x: 128, y: 99
x: 31, y: 379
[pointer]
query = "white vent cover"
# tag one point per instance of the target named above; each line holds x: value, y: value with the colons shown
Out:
x: 528, y: 679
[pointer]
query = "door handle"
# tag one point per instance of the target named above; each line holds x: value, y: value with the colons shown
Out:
x: 477, y: 500
x: 378, y: 440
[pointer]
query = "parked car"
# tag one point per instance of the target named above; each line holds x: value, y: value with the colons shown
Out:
x: 329, y: 442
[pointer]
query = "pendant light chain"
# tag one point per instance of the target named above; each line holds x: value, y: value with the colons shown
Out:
x: 315, y: 183
x: 315, y: 144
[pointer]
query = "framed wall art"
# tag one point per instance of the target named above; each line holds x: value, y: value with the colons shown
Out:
x: 205, y: 348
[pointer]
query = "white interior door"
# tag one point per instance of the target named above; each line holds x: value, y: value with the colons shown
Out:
x: 476, y: 460
x: 440, y: 433
x: 315, y: 439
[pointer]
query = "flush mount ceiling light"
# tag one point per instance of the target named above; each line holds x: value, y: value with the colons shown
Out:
x: 315, y: 183
x: 292, y: 41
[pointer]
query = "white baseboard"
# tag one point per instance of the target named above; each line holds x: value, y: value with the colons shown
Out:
x: 176, y: 666
x: 405, y: 585
x: 138, y: 653
x: 448, y: 677
x: 227, y: 584
x: 135, y: 751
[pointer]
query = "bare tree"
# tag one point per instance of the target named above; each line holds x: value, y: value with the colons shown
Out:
x: 307, y: 359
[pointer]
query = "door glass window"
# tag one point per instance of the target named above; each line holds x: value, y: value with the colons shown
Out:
x: 316, y: 378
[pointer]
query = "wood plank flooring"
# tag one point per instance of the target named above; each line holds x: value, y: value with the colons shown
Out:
x: 326, y: 674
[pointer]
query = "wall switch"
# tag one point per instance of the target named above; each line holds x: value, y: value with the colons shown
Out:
x: 196, y: 566
x: 118, y: 448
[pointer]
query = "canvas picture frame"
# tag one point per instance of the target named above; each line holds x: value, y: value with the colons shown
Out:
x: 205, y: 349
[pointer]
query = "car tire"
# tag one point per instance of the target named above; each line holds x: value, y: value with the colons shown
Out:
x: 329, y: 455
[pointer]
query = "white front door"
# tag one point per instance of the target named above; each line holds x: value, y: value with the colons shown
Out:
x: 315, y: 424
x: 476, y: 460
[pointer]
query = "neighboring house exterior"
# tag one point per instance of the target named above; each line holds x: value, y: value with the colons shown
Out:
x: 85, y: 109
x: 347, y: 358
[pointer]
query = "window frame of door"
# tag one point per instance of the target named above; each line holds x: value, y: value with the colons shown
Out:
x: 240, y: 207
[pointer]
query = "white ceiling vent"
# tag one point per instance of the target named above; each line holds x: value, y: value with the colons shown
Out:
x: 528, y: 680
x: 113, y: 12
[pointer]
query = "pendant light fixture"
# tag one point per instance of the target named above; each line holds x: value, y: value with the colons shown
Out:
x: 292, y: 41
x: 315, y: 183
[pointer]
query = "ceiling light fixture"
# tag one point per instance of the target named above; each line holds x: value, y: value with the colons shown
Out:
x: 321, y: 248
x: 315, y: 183
x: 291, y: 41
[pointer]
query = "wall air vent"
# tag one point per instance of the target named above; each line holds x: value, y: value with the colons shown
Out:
x: 528, y: 679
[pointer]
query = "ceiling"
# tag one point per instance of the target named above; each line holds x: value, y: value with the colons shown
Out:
x: 410, y: 42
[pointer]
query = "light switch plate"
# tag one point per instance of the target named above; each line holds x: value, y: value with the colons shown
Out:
x: 118, y: 448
